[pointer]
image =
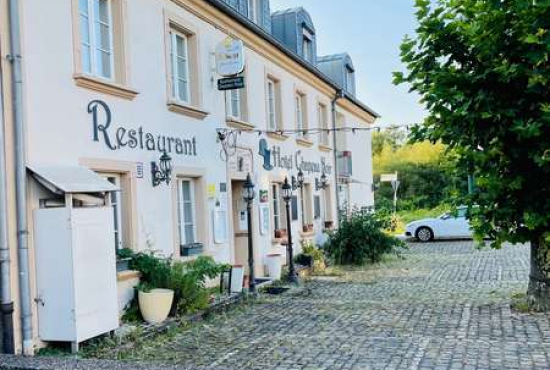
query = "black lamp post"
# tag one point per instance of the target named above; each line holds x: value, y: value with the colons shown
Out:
x: 287, y: 197
x: 248, y: 196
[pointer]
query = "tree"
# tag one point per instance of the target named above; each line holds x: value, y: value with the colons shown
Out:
x: 482, y: 69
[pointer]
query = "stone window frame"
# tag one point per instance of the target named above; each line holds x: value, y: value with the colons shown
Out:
x: 198, y: 176
x: 302, y: 139
x: 194, y: 109
x: 119, y: 85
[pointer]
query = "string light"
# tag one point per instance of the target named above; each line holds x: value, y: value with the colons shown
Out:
x: 228, y: 137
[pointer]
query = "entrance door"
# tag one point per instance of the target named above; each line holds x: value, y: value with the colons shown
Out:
x: 240, y: 224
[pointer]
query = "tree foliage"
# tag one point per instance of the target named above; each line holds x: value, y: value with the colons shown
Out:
x: 482, y: 70
x: 426, y: 174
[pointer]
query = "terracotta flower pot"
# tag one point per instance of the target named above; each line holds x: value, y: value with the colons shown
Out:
x: 155, y: 305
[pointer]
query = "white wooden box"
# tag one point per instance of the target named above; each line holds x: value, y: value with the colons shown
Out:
x: 76, y: 273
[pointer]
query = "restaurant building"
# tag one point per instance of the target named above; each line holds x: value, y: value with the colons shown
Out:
x: 94, y: 92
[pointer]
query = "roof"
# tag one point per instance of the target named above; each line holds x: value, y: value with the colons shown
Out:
x: 220, y: 5
x: 297, y: 10
x: 71, y: 179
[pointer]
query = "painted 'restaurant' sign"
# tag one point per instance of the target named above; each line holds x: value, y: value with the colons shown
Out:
x: 134, y: 138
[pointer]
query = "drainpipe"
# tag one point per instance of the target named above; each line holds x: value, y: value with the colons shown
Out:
x: 20, y: 179
x: 6, y: 304
x: 339, y: 95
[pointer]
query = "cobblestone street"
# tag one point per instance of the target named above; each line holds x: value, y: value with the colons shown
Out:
x: 445, y: 306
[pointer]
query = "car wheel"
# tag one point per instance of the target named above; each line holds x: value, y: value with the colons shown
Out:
x: 424, y: 234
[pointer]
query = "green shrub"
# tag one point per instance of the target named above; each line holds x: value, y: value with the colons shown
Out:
x: 360, y: 239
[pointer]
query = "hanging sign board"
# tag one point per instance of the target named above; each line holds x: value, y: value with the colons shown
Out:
x: 231, y: 83
x: 230, y: 57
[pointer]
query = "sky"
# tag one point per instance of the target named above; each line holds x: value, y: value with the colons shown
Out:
x: 371, y: 32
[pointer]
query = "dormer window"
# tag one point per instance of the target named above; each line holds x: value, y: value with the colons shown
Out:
x: 307, y: 46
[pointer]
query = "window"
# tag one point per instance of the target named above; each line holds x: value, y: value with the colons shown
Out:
x: 350, y: 79
x: 234, y: 104
x: 116, y: 203
x: 306, y: 49
x: 273, y: 104
x: 294, y: 206
x: 179, y: 57
x: 317, y: 207
x: 96, y: 38
x: 306, y: 206
x: 301, y: 115
x: 278, y: 205
x: 187, y: 212
x: 254, y: 10
x: 323, y: 123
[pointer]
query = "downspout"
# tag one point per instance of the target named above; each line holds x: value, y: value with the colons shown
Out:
x: 6, y: 304
x: 20, y: 179
x: 339, y: 95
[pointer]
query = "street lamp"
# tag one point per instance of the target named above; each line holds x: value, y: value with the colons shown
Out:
x: 287, y: 197
x: 248, y: 196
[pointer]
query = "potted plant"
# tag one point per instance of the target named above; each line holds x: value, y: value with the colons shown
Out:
x: 123, y: 258
x: 154, y: 303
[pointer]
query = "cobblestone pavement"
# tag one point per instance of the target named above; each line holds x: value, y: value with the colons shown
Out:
x: 445, y: 306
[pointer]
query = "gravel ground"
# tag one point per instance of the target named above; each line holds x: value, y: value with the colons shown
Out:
x: 446, y: 305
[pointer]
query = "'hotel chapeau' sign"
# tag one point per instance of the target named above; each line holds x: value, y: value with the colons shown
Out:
x: 121, y: 137
x: 274, y: 159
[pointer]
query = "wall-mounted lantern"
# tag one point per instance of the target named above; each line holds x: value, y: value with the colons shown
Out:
x: 298, y: 182
x: 322, y: 183
x: 162, y: 172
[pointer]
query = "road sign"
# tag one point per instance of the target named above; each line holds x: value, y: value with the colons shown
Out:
x: 230, y: 57
x: 391, y: 177
x: 231, y: 83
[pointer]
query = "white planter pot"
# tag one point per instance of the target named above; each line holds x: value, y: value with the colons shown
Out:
x: 155, y: 305
x: 274, y: 265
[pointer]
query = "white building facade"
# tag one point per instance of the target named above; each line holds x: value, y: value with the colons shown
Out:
x: 110, y: 85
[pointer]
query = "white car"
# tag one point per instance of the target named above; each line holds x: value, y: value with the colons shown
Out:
x: 445, y: 226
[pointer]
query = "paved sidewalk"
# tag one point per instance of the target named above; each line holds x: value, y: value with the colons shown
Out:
x: 445, y: 306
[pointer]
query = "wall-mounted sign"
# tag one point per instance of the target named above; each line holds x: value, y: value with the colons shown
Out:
x: 230, y: 57
x: 231, y: 83
x: 139, y: 170
x: 241, y: 162
x: 134, y: 138
x: 273, y: 158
